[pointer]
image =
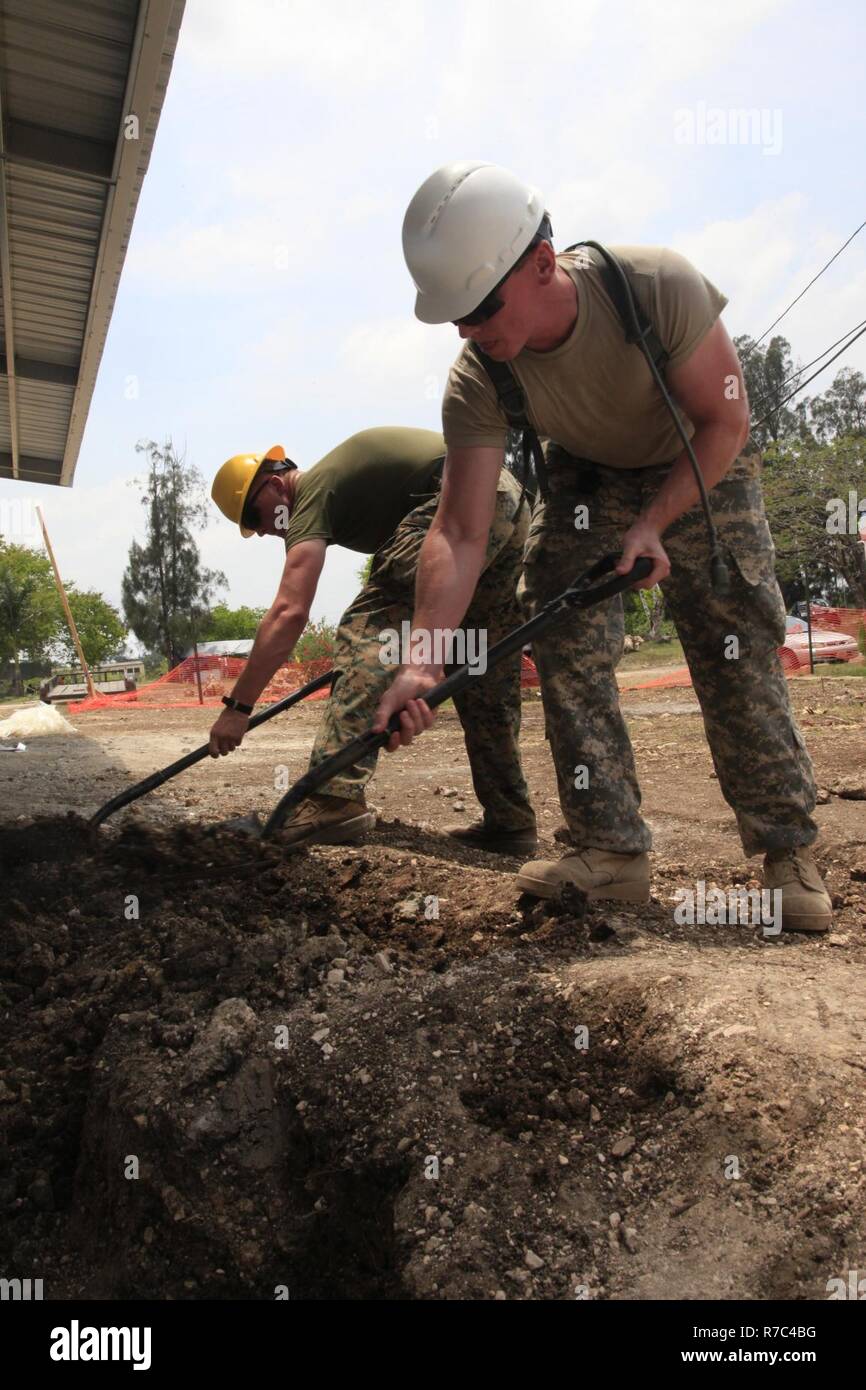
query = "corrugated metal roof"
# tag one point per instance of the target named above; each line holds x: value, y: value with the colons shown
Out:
x: 70, y: 72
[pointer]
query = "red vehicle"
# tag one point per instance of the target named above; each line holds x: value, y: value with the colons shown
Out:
x: 826, y: 645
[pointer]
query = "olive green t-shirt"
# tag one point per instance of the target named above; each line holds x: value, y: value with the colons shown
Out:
x: 594, y: 394
x: 357, y: 495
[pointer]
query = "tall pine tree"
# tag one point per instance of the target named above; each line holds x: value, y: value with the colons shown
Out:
x: 166, y: 591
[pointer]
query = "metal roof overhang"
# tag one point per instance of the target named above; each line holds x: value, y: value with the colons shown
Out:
x: 71, y: 73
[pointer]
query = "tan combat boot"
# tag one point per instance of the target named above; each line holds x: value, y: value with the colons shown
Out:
x: 327, y: 820
x: 806, y: 904
x: 599, y: 873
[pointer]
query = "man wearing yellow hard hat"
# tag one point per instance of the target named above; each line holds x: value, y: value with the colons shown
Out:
x: 377, y: 493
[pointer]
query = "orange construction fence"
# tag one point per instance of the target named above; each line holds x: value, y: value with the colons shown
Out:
x: 203, y: 680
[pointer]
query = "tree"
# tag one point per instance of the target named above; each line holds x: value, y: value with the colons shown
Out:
x: 30, y: 612
x: 224, y: 623
x: 652, y: 602
x: 100, y: 628
x: 166, y: 591
x: 841, y: 410
x: 770, y: 375
x: 807, y: 490
x: 315, y: 642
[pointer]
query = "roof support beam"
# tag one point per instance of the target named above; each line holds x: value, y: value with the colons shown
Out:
x: 38, y: 470
x: 8, y: 299
x: 28, y: 369
x: 57, y: 150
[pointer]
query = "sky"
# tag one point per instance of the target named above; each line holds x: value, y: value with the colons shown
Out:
x: 265, y: 299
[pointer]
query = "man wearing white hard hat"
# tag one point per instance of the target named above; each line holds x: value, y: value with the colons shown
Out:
x: 477, y: 242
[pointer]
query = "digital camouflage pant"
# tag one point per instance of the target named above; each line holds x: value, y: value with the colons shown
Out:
x: 764, y: 771
x: 489, y: 708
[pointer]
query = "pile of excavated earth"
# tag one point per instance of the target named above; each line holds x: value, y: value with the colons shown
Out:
x: 370, y: 1072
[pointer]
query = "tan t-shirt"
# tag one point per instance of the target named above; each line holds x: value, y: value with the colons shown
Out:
x: 594, y: 394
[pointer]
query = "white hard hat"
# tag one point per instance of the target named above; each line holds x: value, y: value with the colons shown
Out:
x: 463, y: 231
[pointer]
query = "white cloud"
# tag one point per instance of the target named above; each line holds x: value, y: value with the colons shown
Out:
x: 750, y: 258
x: 616, y: 203
x: 675, y: 39
x: 506, y: 60
x: 763, y: 260
x: 303, y: 38
x: 398, y: 353
x: 218, y: 257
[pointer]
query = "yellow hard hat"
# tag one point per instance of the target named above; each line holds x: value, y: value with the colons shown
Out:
x: 234, y: 480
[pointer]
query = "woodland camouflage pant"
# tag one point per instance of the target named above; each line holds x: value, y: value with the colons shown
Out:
x: 764, y: 771
x: 489, y: 708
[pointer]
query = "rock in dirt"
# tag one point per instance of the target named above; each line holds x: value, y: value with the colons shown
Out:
x: 629, y: 1239
x: 623, y: 1146
x: 851, y: 788
x: 408, y: 909
x: 222, y: 1042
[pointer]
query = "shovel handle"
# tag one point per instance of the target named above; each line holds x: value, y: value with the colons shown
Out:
x: 156, y: 779
x: 581, y: 594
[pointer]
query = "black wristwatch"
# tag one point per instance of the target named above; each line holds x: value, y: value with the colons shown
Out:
x: 236, y: 705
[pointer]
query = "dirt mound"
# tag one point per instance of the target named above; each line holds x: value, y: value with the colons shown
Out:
x: 370, y: 1073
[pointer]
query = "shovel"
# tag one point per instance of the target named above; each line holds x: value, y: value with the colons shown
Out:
x: 156, y: 779
x: 578, y: 595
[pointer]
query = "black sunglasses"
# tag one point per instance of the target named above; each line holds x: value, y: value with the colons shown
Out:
x: 492, y: 303
x: 489, y: 306
x: 250, y: 515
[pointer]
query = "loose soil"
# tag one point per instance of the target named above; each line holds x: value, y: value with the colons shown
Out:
x: 231, y: 1070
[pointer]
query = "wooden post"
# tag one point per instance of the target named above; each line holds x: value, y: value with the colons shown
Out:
x: 809, y: 623
x: 197, y: 673
x: 91, y: 688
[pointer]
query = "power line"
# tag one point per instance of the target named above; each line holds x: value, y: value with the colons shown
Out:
x: 802, y: 292
x: 799, y: 370
x: 790, y: 396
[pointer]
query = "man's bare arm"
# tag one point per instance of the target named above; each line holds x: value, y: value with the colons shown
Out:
x: 709, y: 386
x: 450, y: 562
x: 452, y: 555
x: 277, y: 634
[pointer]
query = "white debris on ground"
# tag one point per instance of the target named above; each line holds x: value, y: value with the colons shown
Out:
x: 34, y: 720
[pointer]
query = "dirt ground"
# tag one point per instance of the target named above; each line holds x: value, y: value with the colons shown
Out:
x: 373, y: 1071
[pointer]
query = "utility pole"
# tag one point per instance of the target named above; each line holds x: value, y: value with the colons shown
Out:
x: 91, y: 688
